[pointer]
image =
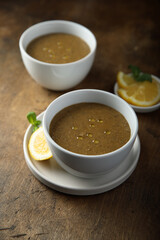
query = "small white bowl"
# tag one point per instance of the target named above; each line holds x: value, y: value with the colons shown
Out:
x: 57, y: 76
x: 89, y: 165
x: 141, y: 109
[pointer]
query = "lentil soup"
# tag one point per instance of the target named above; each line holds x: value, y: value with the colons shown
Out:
x: 58, y: 48
x: 90, y: 129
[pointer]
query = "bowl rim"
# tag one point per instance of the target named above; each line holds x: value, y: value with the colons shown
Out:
x: 131, y: 139
x: 21, y: 39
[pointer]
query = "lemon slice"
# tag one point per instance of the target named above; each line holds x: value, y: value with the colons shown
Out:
x: 124, y: 80
x: 142, y: 94
x: 38, y: 147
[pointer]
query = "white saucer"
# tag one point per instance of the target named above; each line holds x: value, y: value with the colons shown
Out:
x: 53, y: 176
x: 141, y: 109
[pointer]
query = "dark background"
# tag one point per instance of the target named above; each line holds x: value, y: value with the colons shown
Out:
x: 127, y: 32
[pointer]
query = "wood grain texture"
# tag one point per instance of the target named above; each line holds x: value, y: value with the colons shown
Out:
x: 127, y: 32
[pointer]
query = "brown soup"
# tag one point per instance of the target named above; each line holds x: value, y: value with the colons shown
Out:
x: 58, y: 48
x: 89, y: 128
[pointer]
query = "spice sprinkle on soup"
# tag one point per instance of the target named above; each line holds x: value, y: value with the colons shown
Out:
x: 90, y: 129
x: 58, y: 48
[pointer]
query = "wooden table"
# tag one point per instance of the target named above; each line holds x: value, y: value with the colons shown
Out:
x: 127, y: 32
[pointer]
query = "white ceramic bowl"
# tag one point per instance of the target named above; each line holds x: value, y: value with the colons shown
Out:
x: 57, y: 76
x: 90, y: 165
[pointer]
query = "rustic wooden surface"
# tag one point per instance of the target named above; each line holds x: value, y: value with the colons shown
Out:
x: 127, y: 32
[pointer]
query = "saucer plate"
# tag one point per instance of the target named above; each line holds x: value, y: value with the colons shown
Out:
x: 52, y: 175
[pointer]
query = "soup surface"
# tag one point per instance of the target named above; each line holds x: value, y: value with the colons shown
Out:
x: 89, y: 128
x: 58, y: 48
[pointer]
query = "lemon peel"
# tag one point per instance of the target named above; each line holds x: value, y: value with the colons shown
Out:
x: 38, y: 147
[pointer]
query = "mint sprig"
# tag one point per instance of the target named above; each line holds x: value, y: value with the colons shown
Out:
x: 138, y: 75
x: 31, y: 116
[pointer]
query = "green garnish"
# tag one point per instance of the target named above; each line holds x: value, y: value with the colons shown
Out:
x: 31, y: 116
x: 138, y: 75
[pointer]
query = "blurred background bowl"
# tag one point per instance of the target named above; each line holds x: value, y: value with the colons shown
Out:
x: 57, y: 76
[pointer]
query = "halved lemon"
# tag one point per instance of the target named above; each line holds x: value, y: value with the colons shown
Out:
x: 38, y: 147
x: 142, y: 94
x: 124, y: 80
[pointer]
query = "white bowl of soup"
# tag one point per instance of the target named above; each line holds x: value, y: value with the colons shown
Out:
x: 90, y: 132
x: 58, y: 54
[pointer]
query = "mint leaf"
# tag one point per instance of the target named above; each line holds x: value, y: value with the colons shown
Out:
x: 144, y: 77
x: 35, y: 127
x: 37, y: 122
x: 138, y: 75
x: 135, y: 70
x: 31, y: 116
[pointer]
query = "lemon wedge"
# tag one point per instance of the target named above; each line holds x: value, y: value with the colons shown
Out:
x: 124, y: 80
x: 38, y: 147
x: 142, y: 94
